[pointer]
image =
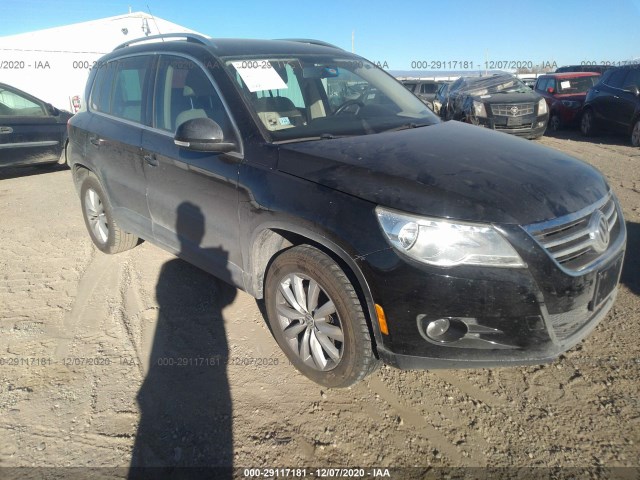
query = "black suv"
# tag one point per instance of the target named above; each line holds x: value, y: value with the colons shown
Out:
x: 614, y: 104
x: 425, y: 90
x: 372, y: 230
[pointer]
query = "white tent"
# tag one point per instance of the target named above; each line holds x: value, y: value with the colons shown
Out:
x: 53, y: 64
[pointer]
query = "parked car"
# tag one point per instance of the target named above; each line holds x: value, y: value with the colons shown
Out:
x: 614, y: 104
x: 500, y: 102
x: 425, y: 90
x: 31, y: 130
x: 565, y: 94
x: 440, y: 96
x: 584, y: 68
x: 374, y: 232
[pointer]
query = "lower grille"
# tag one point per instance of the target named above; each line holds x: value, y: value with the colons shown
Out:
x: 566, y: 324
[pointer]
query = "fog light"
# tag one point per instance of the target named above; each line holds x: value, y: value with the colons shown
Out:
x: 540, y: 124
x: 442, y: 330
x: 437, y: 328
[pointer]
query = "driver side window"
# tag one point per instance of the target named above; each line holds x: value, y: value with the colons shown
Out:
x: 184, y: 92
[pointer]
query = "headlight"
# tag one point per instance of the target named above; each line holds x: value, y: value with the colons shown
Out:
x: 571, y: 104
x: 446, y: 244
x: 478, y: 109
x: 542, y: 106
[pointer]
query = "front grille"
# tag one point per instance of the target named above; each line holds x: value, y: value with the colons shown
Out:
x: 574, y: 241
x: 512, y: 109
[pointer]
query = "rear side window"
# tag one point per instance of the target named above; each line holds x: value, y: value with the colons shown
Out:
x: 616, y: 79
x: 129, y: 81
x: 102, y: 86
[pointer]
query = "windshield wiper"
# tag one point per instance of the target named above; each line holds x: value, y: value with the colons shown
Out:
x: 323, y: 136
x: 406, y: 126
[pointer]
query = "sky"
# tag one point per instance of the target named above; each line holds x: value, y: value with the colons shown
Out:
x: 396, y: 34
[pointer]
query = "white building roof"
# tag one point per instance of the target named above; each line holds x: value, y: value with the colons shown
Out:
x: 53, y: 64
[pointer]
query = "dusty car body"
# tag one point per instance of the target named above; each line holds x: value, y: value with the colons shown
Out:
x: 32, y: 131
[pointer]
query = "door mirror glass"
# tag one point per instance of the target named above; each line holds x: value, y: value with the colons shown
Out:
x: 202, y: 135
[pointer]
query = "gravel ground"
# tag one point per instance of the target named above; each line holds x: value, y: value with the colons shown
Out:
x: 84, y: 339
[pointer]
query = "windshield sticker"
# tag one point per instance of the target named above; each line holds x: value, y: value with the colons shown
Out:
x: 284, y: 121
x: 565, y: 84
x: 262, y: 77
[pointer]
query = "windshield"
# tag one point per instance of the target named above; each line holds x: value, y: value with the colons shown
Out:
x: 313, y: 97
x: 576, y: 85
x: 478, y: 86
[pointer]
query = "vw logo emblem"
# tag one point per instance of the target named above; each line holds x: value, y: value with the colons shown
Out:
x: 514, y: 110
x: 599, y: 231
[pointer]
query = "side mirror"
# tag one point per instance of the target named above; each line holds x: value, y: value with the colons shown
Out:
x: 551, y: 90
x: 202, y: 135
x: 51, y: 110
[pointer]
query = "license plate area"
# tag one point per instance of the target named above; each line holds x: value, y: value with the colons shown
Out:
x: 514, y: 121
x: 606, y: 281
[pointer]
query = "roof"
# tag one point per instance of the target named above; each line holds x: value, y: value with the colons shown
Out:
x: 570, y: 75
x: 237, y: 47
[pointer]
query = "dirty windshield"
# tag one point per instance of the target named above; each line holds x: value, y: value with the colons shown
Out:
x: 323, y: 97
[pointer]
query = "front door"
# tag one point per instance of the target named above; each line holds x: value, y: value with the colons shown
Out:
x: 192, y: 196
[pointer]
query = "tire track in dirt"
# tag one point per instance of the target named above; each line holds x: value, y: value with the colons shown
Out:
x: 418, y: 423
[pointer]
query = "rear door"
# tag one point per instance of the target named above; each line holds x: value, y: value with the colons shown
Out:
x: 193, y: 197
x: 29, y: 132
x: 120, y: 106
x: 625, y: 102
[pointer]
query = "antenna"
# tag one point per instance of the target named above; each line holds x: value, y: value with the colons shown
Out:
x: 154, y: 21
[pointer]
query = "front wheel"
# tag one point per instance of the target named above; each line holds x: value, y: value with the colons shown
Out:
x: 316, y: 317
x: 635, y: 134
x: 587, y: 125
x: 554, y: 123
x: 98, y: 218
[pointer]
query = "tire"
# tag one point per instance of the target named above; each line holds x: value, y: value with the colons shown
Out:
x: 327, y: 339
x: 635, y: 134
x: 554, y: 123
x: 98, y: 218
x: 587, y: 125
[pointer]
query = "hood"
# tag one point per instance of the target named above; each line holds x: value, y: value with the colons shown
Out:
x: 527, y: 97
x: 450, y: 170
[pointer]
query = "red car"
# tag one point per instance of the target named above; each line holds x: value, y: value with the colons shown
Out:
x: 565, y: 94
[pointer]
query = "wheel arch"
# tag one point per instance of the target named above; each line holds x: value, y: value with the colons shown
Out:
x: 271, y: 240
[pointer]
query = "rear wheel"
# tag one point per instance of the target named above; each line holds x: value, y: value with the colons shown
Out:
x: 316, y: 317
x: 587, y: 125
x: 635, y: 134
x: 98, y: 218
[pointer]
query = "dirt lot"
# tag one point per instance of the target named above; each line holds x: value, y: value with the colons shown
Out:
x: 85, y: 339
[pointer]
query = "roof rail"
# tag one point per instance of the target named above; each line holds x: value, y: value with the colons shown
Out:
x: 311, y: 41
x: 190, y: 37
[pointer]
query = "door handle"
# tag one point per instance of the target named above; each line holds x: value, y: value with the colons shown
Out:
x: 97, y: 141
x: 6, y: 130
x: 151, y: 160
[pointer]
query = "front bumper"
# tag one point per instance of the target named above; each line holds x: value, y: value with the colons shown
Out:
x: 512, y: 316
x: 528, y: 127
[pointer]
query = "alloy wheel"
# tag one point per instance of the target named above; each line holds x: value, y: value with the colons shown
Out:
x: 96, y: 215
x: 309, y: 322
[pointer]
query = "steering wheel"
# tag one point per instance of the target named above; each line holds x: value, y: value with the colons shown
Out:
x: 349, y: 103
